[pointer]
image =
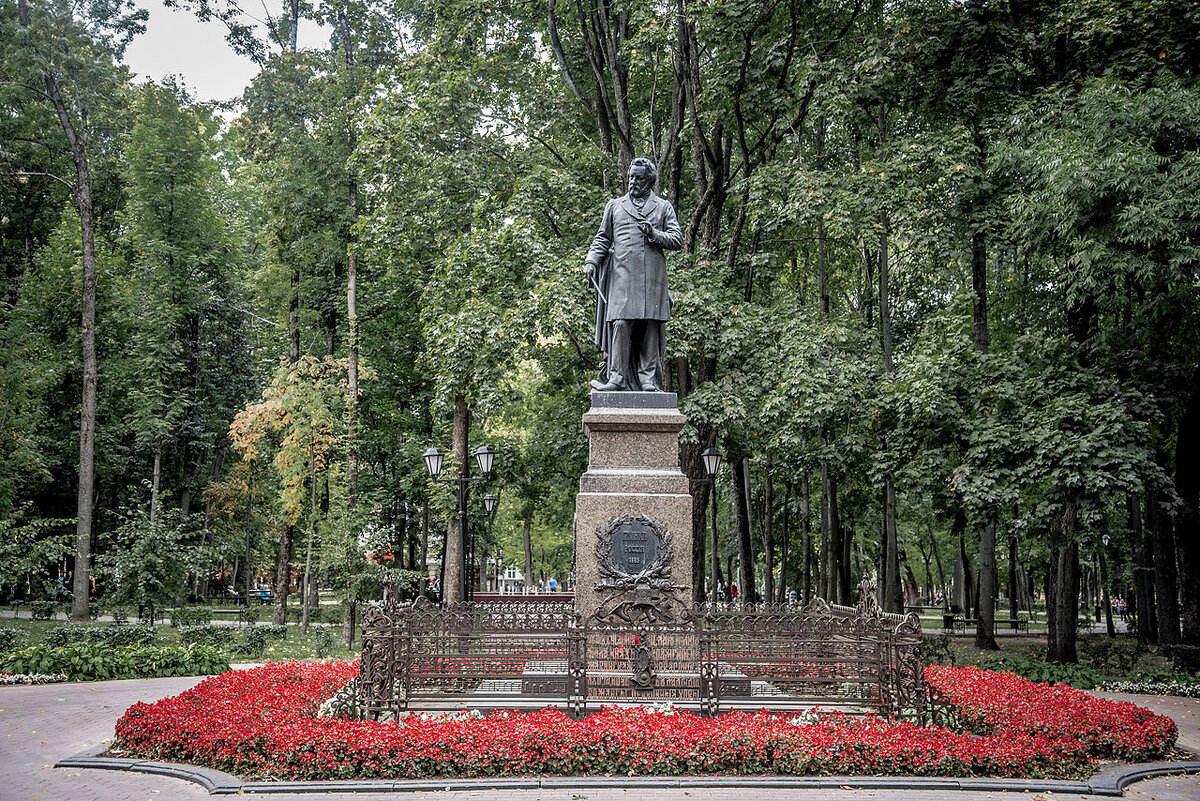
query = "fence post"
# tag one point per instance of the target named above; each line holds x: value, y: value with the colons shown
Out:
x: 577, y: 686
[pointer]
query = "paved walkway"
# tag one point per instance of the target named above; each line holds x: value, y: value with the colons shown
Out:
x: 40, y: 725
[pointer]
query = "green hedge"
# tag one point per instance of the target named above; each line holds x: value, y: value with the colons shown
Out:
x: 189, y: 616
x: 1078, y: 676
x: 43, y: 610
x: 8, y: 639
x: 207, y: 634
x: 91, y: 661
x: 274, y: 632
x: 113, y: 636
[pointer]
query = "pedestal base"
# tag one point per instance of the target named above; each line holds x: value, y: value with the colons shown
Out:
x: 633, y: 470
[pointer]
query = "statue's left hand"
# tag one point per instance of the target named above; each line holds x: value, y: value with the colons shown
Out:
x: 647, y: 230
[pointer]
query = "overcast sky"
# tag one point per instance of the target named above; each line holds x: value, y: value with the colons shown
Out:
x: 176, y: 43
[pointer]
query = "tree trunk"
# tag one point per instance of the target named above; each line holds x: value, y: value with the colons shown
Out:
x: 768, y: 534
x: 892, y: 595
x: 1065, y: 609
x: 831, y: 536
x: 1166, y: 586
x: 1187, y: 518
x: 937, y: 560
x: 155, y: 481
x: 701, y: 490
x: 741, y: 494
x: 1143, y: 573
x: 452, y: 585
x: 77, y: 141
x: 985, y: 622
x: 806, y: 583
x: 351, y: 290
x: 1013, y: 600
x: 306, y: 587
x: 530, y: 582
x: 282, y: 576
x: 783, y: 544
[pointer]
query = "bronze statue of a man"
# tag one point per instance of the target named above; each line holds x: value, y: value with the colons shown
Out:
x: 628, y: 267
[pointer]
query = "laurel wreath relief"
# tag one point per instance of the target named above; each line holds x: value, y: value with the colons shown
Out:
x: 657, y: 574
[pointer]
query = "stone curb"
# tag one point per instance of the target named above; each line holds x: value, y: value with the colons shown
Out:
x: 1109, y: 782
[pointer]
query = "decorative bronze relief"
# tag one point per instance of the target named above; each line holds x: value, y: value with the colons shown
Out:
x: 634, y: 550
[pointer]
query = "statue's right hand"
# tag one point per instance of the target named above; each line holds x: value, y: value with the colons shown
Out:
x: 589, y: 269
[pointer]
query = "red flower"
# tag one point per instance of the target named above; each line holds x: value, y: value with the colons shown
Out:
x: 261, y: 723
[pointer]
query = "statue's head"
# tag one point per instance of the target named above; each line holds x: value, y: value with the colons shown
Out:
x: 643, y: 175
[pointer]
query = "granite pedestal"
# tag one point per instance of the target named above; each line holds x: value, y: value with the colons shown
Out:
x: 633, y: 470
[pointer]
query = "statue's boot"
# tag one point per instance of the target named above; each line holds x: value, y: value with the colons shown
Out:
x: 613, y: 385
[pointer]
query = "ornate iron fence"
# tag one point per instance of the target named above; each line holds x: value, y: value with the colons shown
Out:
x: 711, y: 658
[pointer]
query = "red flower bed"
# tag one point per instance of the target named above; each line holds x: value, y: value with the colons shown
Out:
x: 261, y: 723
x: 1003, y: 703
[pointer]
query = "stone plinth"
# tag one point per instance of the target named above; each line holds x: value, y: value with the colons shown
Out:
x: 633, y: 470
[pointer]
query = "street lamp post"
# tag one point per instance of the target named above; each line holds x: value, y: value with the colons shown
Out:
x: 712, y: 462
x: 484, y: 457
x: 489, y: 506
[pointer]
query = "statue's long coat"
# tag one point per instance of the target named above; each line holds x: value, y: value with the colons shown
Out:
x: 634, y: 279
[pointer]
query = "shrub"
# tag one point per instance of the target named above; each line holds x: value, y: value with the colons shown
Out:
x: 207, y: 634
x: 323, y: 641
x: 316, y: 614
x: 189, y: 616
x: 42, y: 610
x: 176, y: 660
x: 274, y: 632
x: 1183, y: 657
x: 251, y: 641
x: 85, y: 661
x: 1111, y: 655
x: 8, y: 639
x: 1077, y: 676
x: 937, y: 651
x: 113, y: 636
x: 91, y: 661
x: 119, y: 613
x: 249, y: 614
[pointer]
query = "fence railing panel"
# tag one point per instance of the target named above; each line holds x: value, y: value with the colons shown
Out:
x: 710, y: 658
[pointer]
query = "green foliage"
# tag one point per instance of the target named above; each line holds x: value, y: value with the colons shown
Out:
x: 26, y: 548
x: 938, y: 651
x: 1184, y: 657
x: 9, y: 639
x: 43, y: 610
x: 189, y: 616
x: 208, y: 634
x: 172, y: 660
x: 149, y: 563
x: 249, y: 614
x: 324, y: 639
x: 113, y: 636
x: 91, y: 661
x: 1078, y: 676
x: 251, y: 641
x: 1112, y: 656
x: 275, y: 632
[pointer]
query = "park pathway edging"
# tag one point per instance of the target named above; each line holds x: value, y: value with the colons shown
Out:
x: 1109, y: 782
